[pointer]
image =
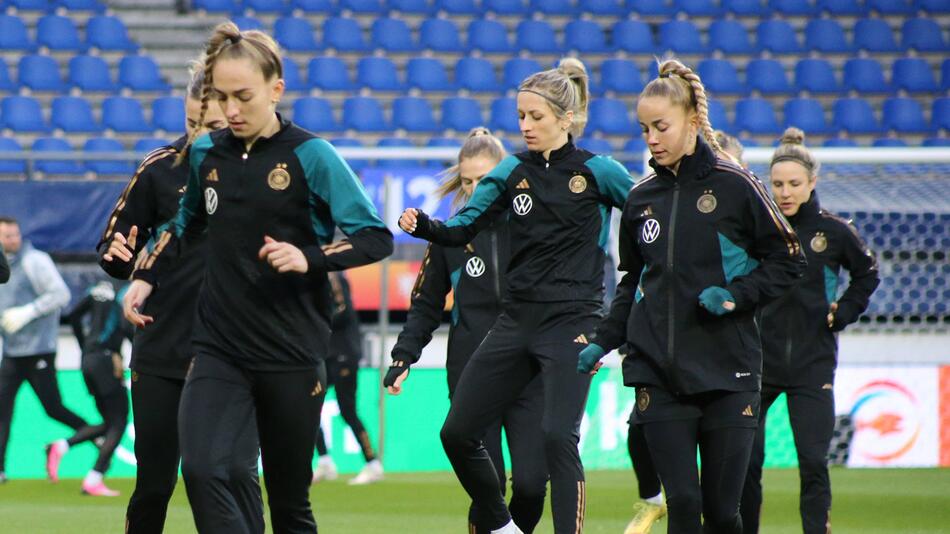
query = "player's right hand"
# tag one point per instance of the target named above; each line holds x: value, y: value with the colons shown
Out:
x: 397, y: 374
x: 134, y: 300
x: 121, y: 247
x: 588, y: 361
x: 408, y: 220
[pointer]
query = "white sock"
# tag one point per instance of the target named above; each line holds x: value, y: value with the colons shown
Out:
x: 656, y: 499
x: 374, y: 463
x: 61, y: 445
x: 509, y: 528
x: 93, y: 477
x: 326, y: 459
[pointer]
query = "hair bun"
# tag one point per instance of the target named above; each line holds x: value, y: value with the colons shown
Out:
x: 573, y: 67
x: 793, y: 136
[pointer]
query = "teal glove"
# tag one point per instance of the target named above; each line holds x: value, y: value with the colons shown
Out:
x: 717, y: 300
x: 589, y: 357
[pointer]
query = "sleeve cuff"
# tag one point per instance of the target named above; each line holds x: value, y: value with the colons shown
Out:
x: 316, y: 260
x: 145, y: 276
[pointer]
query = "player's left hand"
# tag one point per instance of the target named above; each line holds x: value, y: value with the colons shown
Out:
x: 283, y: 257
x: 13, y: 319
x: 588, y: 361
x: 717, y: 301
x: 831, y: 315
x: 118, y: 370
x: 397, y: 374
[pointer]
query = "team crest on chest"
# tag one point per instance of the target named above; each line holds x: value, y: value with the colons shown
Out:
x: 707, y: 202
x: 651, y: 230
x: 279, y: 179
x: 211, y: 201
x: 578, y: 184
x: 475, y: 267
x: 819, y: 243
x: 522, y: 204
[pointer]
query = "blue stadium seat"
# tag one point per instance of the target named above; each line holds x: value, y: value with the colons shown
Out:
x: 293, y: 81
x: 6, y: 83
x: 596, y: 145
x: 934, y: 6
x: 585, y: 36
x: 756, y: 116
x: 168, y: 114
x: 721, y: 77
x: 620, y: 76
x: 602, y: 7
x: 842, y: 7
x: 698, y: 8
x: 940, y: 114
x: 718, y: 117
x: 315, y: 114
x: 767, y: 76
x: 864, y: 75
x: 247, y: 23
x: 73, y: 114
x: 680, y: 36
x: 374, y: 7
x: 265, y: 6
x: 889, y: 142
x: 816, y: 76
x: 515, y: 70
x: 745, y: 8
x: 56, y: 144
x: 295, y: 34
x: 30, y: 5
x: 329, y: 73
x: 438, y: 142
x: 104, y: 144
x: 458, y: 7
x: 930, y: 141
x: 807, y: 115
x: 505, y: 7
x: 634, y: 36
x: 378, y: 74
x: 23, y: 114
x: 840, y: 142
x: 124, y: 115
x: 635, y: 146
x: 40, y: 73
x: 826, y: 35
x: 553, y: 7
x: 76, y: 6
x: 356, y: 164
x: 874, y: 35
x: 144, y: 145
x: 107, y: 32
x: 218, y: 6
x: 856, y: 116
x: 461, y: 114
x: 903, y: 115
x: 777, y: 36
x: 397, y: 142
x: 343, y: 34
x: 647, y: 7
x: 476, y: 74
x: 536, y: 36
x: 364, y: 114
x: 945, y: 75
x: 923, y: 35
x: 427, y: 74
x: 141, y: 73
x: 322, y: 7
x: 730, y: 37
x: 795, y: 8
x: 440, y: 35
x: 11, y: 166
x: 56, y: 32
x: 416, y: 7
x: 504, y: 115
x: 392, y: 35
x: 609, y: 116
x: 891, y: 7
x: 488, y: 36
x: 413, y: 114
x: 14, y: 35
x: 913, y: 74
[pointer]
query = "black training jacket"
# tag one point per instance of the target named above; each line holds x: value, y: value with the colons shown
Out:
x: 558, y: 218
x: 712, y: 224
x: 97, y: 320
x: 149, y: 202
x: 474, y: 274
x: 799, y: 349
x: 346, y: 343
x: 293, y: 187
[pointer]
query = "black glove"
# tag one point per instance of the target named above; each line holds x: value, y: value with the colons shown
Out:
x: 422, y: 224
x: 397, y: 368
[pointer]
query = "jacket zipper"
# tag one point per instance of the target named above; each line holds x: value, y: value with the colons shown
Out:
x: 669, y: 287
x: 494, y: 263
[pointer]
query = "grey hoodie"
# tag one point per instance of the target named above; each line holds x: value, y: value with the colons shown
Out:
x: 34, y: 281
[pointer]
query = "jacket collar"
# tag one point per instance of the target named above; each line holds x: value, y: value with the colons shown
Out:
x: 238, y: 143
x: 807, y: 212
x: 25, y: 246
x: 695, y: 166
x: 556, y: 155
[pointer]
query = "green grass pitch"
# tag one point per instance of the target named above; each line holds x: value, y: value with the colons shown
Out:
x: 906, y: 501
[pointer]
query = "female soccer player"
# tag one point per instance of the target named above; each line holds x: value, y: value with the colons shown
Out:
x: 162, y: 352
x: 701, y: 245
x: 799, y: 341
x: 557, y: 198
x: 475, y: 275
x: 270, y: 195
x: 98, y: 326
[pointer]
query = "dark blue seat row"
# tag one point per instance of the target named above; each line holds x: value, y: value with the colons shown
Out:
x: 86, y: 73
x: 56, y: 32
x: 73, y: 114
x: 94, y: 144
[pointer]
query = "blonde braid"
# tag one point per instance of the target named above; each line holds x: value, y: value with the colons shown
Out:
x: 699, y: 99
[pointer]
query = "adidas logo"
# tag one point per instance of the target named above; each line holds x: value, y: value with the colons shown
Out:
x: 581, y: 339
x: 748, y: 411
x: 523, y: 184
x: 212, y: 176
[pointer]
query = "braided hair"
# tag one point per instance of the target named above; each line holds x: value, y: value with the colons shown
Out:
x: 684, y: 87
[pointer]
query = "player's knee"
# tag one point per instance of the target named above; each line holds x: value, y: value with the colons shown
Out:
x: 722, y: 521
x: 529, y: 487
x: 560, y: 441
x: 684, y: 504
x: 456, y: 436
x: 813, y: 466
